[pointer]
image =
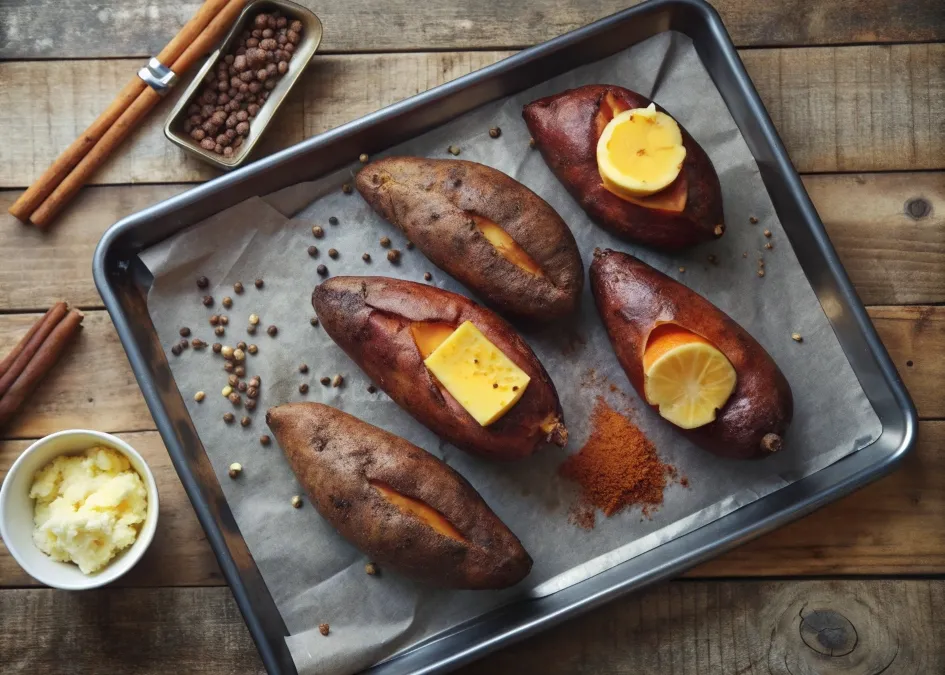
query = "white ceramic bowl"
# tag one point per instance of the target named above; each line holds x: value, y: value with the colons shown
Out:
x: 16, y: 511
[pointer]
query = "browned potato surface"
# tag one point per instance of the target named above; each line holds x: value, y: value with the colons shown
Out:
x: 633, y: 298
x: 566, y: 128
x: 373, y: 320
x: 482, y: 227
x: 399, y: 504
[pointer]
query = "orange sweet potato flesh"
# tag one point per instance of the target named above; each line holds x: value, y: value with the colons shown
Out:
x: 633, y: 299
x: 446, y: 207
x: 399, y: 504
x: 566, y: 128
x: 385, y: 325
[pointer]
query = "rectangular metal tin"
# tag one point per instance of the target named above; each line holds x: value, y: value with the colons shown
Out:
x: 123, y: 282
x: 311, y: 37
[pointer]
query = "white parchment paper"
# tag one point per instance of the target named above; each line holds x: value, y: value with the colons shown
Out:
x: 317, y: 577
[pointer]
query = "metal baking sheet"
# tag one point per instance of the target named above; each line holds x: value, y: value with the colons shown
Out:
x: 122, y: 285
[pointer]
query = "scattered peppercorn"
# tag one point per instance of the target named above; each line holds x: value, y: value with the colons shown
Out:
x: 214, y: 319
x: 366, y: 257
x: 313, y: 251
x: 219, y: 330
x: 719, y: 230
x: 197, y: 343
x: 183, y: 343
x: 769, y: 246
x: 227, y: 390
x: 207, y: 301
x: 332, y: 220
x: 753, y: 220
x: 250, y: 404
x: 202, y: 282
x: 333, y: 253
x: 317, y: 231
x: 346, y: 188
x: 761, y: 273
x: 409, y: 245
x: 259, y: 283
x: 427, y: 276
x: 240, y: 371
x: 227, y: 352
x: 682, y: 269
x: 241, y: 387
x: 252, y: 349
x: 235, y: 398
x: 233, y: 380
x: 264, y: 440
x: 184, y: 331
x: 229, y: 417
x: 224, y: 320
x: 531, y: 142
x: 453, y: 150
x: 797, y: 337
x: 371, y: 389
x: 245, y: 421
x: 296, y: 502
x: 235, y: 469
x: 228, y: 366
x: 238, y: 354
x: 767, y: 233
x: 363, y: 158
x: 322, y: 270
x: 495, y: 132
x: 252, y: 392
x: 227, y: 301
x: 199, y: 396
x: 176, y: 350
x: 385, y: 241
x: 303, y: 368
x: 371, y: 569
x: 337, y: 381
x: 238, y: 288
x: 323, y: 628
x: 217, y: 347
x: 325, y: 381
x: 393, y: 256
x: 303, y: 388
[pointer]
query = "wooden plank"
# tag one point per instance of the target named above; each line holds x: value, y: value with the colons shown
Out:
x: 678, y: 628
x: 179, y: 554
x: 837, y: 108
x: 882, y: 529
x: 892, y: 256
x: 93, y: 386
x: 47, y: 29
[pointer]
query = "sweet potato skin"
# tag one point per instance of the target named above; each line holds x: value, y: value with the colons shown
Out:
x: 633, y: 298
x: 430, y: 201
x: 335, y: 456
x: 370, y: 317
x: 565, y: 131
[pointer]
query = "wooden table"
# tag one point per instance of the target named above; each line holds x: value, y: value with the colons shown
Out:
x: 856, y: 89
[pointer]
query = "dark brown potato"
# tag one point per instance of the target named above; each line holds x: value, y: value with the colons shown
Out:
x: 566, y: 128
x: 371, y: 317
x: 442, y: 205
x: 633, y: 298
x: 399, y: 504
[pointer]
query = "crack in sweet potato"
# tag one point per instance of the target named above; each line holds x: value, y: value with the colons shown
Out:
x: 506, y: 246
x: 418, y: 509
x: 428, y: 335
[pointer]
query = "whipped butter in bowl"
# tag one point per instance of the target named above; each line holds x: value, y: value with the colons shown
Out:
x: 78, y: 509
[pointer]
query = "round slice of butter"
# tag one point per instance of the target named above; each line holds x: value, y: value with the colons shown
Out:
x: 640, y: 152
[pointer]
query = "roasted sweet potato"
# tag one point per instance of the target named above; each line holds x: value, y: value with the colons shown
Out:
x: 483, y: 228
x: 402, y: 506
x: 388, y: 326
x: 566, y: 128
x: 633, y: 299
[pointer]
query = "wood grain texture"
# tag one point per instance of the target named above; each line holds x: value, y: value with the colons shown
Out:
x: 132, y: 632
x: 882, y: 529
x: 837, y: 109
x: 893, y: 256
x: 678, y: 628
x: 179, y: 554
x: 93, y: 386
x: 47, y: 29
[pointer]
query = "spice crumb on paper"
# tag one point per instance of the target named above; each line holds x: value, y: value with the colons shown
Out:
x: 617, y: 468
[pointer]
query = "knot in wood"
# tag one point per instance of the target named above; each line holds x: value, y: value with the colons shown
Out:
x: 918, y: 207
x: 828, y: 632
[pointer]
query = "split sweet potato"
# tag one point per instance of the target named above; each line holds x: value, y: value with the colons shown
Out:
x: 566, y: 128
x: 633, y: 299
x: 388, y: 326
x: 483, y: 228
x: 399, y: 504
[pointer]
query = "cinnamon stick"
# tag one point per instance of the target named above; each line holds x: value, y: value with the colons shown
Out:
x: 43, y: 328
x: 41, y: 363
x: 130, y: 118
x: 43, y: 186
x: 21, y: 345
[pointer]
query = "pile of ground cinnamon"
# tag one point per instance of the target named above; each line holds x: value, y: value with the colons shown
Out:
x: 617, y: 467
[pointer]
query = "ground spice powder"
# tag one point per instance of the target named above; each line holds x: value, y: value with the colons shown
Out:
x: 617, y: 467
